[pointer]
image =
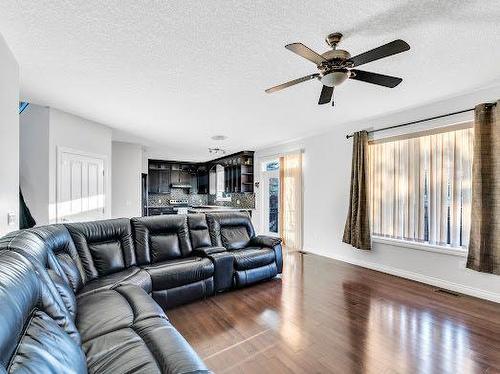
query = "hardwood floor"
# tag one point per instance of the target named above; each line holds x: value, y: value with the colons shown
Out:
x: 325, y: 316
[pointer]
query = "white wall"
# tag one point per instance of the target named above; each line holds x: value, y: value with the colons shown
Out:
x: 70, y: 131
x: 126, y: 180
x: 34, y: 161
x: 44, y: 131
x: 326, y: 169
x: 9, y: 138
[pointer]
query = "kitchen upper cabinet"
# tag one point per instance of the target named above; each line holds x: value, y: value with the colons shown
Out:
x: 238, y: 172
x: 181, y: 174
x: 234, y: 175
x: 159, y: 178
x: 164, y: 181
x: 202, y: 179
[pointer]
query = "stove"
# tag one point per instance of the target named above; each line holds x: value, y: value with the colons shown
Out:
x: 179, y: 203
x: 180, y: 206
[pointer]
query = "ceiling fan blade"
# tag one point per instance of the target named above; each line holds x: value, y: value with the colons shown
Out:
x: 375, y: 78
x: 291, y: 83
x: 326, y: 95
x: 306, y: 52
x: 386, y: 50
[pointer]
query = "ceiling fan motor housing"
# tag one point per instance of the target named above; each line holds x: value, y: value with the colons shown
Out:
x: 336, y: 55
x: 334, y: 72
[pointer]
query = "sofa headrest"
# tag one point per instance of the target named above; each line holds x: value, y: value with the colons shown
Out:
x: 47, y: 244
x: 58, y: 240
x: 27, y: 243
x: 232, y: 230
x: 36, y: 334
x: 160, y: 238
x: 197, y: 222
x: 198, y: 231
x: 104, y: 246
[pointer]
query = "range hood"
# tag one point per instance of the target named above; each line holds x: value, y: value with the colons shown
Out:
x: 180, y: 185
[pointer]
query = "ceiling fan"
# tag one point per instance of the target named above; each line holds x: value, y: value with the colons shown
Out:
x: 336, y: 65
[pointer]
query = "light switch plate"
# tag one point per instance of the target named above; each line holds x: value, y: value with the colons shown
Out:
x: 11, y: 218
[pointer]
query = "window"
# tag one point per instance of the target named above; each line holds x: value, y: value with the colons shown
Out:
x: 271, y: 195
x: 273, y: 165
x: 420, y: 187
x: 274, y: 191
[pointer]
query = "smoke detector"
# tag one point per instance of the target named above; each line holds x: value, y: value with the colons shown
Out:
x: 219, y: 137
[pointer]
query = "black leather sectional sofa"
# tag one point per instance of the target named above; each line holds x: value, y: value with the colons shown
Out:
x: 91, y: 297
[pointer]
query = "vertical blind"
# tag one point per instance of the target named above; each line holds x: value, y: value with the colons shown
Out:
x: 420, y: 188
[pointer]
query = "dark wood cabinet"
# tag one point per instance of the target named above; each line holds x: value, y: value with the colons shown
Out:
x: 238, y: 172
x: 159, y: 178
x: 202, y: 179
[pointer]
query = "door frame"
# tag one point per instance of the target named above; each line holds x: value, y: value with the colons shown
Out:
x: 62, y: 149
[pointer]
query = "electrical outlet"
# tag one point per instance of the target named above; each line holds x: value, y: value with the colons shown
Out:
x: 11, y: 218
x: 238, y: 202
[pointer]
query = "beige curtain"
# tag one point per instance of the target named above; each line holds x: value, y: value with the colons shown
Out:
x: 484, y: 248
x: 357, y: 226
x: 290, y: 219
x: 420, y: 188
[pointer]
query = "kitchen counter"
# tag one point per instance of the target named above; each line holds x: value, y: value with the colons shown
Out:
x: 217, y: 208
x: 170, y: 209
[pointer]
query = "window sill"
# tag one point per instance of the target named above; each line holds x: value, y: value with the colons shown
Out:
x: 441, y: 249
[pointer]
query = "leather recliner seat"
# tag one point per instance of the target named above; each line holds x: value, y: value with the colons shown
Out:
x: 178, y: 273
x: 107, y: 254
x: 37, y: 334
x: 95, y: 280
x: 45, y: 326
x: 256, y: 258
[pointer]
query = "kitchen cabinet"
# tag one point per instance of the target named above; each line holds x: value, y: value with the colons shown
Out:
x: 238, y: 172
x: 202, y: 179
x: 236, y: 175
x: 181, y: 175
x: 159, y: 178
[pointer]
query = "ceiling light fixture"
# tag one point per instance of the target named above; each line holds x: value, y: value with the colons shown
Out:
x: 219, y: 137
x: 217, y: 150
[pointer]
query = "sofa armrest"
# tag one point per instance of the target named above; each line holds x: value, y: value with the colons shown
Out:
x: 265, y: 241
x: 223, y: 265
x: 207, y: 251
x: 274, y: 244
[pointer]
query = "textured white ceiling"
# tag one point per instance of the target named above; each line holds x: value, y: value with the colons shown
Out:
x: 177, y: 72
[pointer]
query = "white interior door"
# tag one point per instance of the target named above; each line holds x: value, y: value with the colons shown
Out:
x: 271, y: 197
x: 80, y: 187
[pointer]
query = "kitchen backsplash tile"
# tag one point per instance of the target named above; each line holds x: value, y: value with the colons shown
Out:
x: 176, y: 194
x: 238, y: 200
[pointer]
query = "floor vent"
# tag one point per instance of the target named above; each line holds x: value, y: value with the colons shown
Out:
x: 447, y: 292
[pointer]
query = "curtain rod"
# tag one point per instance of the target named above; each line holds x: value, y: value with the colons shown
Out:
x: 414, y: 122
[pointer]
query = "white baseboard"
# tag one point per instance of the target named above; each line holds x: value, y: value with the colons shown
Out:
x: 441, y: 283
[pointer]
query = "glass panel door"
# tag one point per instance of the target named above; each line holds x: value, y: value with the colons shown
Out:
x: 274, y: 199
x: 271, y: 197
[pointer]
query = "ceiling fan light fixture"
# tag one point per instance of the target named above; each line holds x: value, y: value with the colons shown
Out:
x: 336, y: 66
x: 335, y: 78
